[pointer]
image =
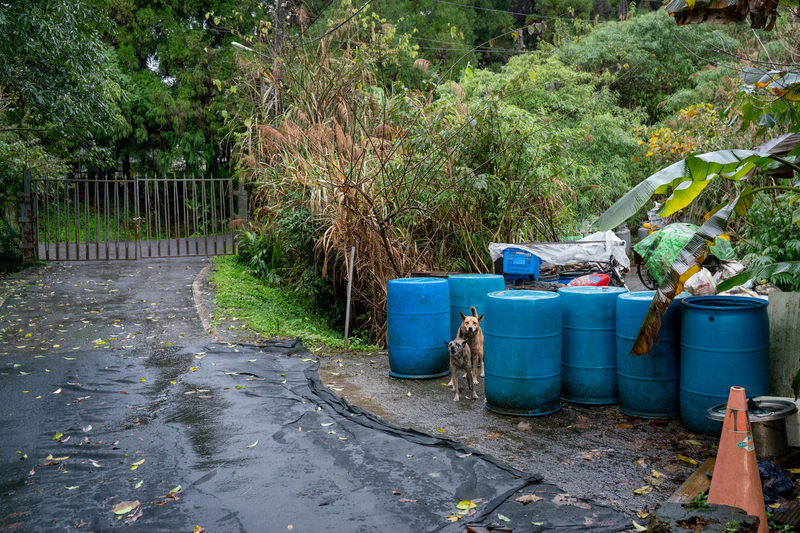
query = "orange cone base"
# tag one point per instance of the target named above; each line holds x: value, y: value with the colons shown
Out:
x: 736, y: 481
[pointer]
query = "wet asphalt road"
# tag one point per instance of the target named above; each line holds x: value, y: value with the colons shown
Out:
x: 133, y: 309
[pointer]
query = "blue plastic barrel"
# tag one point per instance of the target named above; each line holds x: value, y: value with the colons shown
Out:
x: 470, y: 290
x: 417, y: 315
x: 724, y: 343
x: 649, y: 385
x: 522, y: 352
x: 589, y: 344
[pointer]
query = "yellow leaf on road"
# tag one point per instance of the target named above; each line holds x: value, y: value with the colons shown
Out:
x: 647, y: 489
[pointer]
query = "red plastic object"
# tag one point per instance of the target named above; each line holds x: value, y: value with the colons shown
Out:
x: 596, y: 280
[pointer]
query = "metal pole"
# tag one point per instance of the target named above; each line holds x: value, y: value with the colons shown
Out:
x: 349, y: 290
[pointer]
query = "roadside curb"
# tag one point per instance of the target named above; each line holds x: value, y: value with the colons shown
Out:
x: 202, y: 311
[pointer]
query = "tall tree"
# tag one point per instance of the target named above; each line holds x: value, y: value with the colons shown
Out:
x: 55, y: 72
x: 174, y: 55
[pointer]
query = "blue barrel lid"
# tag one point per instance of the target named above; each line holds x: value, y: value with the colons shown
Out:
x: 590, y: 289
x: 523, y: 295
x: 648, y: 295
x: 418, y: 280
x: 723, y: 303
x: 475, y: 276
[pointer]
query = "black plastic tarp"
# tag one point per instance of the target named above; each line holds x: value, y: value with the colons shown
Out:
x: 254, y: 440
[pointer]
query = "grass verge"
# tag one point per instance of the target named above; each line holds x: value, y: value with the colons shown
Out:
x: 270, y: 311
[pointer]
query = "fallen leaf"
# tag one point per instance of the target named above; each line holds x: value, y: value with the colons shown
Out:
x: 326, y: 424
x: 57, y: 391
x: 395, y: 493
x: 652, y: 481
x: 529, y: 498
x: 125, y: 507
x: 684, y: 459
x: 638, y: 527
x: 624, y: 426
x: 440, y: 430
x: 656, y: 474
x: 642, y: 514
x: 256, y: 442
x: 537, y: 523
x: 87, y: 428
x: 406, y: 500
x: 792, y: 470
x: 137, y: 463
x: 198, y: 529
x: 240, y: 387
x: 647, y: 489
x: 693, y: 442
x: 72, y: 488
x: 176, y: 489
x: 139, y: 484
x: 465, y: 504
x: 493, y: 435
x: 58, y: 435
x: 503, y: 518
x: 57, y: 459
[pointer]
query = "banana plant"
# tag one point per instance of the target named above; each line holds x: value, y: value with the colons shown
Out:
x: 684, y: 181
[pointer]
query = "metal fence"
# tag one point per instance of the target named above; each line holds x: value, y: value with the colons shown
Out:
x: 142, y: 217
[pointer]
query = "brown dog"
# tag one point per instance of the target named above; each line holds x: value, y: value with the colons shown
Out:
x: 470, y: 331
x: 460, y: 359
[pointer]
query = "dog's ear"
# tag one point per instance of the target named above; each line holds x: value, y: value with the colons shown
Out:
x: 463, y: 316
x: 447, y: 344
x: 480, y: 318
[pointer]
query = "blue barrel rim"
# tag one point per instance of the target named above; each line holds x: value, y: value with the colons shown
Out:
x: 648, y: 295
x: 416, y: 376
x: 418, y: 280
x: 724, y: 303
x: 591, y: 289
x: 475, y: 276
x: 512, y: 412
x: 522, y: 295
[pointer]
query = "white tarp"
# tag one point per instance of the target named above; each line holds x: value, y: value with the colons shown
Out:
x: 598, y: 246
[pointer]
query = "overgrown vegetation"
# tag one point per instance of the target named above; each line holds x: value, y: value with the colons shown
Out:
x: 424, y: 177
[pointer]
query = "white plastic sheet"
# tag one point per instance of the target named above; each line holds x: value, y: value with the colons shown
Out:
x: 598, y: 246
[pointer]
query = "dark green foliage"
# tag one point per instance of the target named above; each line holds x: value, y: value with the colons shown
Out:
x: 648, y: 56
x: 768, y: 236
x: 174, y: 57
x: 10, y: 251
x: 54, y: 67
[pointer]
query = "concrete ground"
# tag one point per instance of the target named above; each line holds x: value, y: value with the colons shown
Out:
x: 590, y: 452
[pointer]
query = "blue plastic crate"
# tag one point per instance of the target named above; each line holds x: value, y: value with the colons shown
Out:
x: 520, y: 264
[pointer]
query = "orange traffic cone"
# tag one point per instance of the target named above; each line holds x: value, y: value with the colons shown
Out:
x: 736, y: 481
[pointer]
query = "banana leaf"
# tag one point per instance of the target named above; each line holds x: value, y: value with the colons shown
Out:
x: 686, y: 264
x: 686, y: 179
x: 760, y: 272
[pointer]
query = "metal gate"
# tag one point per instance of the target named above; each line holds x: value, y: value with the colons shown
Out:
x: 137, y: 218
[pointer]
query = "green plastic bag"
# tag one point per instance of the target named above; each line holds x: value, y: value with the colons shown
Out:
x: 661, y: 248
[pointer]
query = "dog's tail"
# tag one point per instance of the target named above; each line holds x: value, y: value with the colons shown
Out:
x: 474, y: 312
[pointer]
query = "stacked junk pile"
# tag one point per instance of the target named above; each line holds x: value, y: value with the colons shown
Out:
x: 572, y: 339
